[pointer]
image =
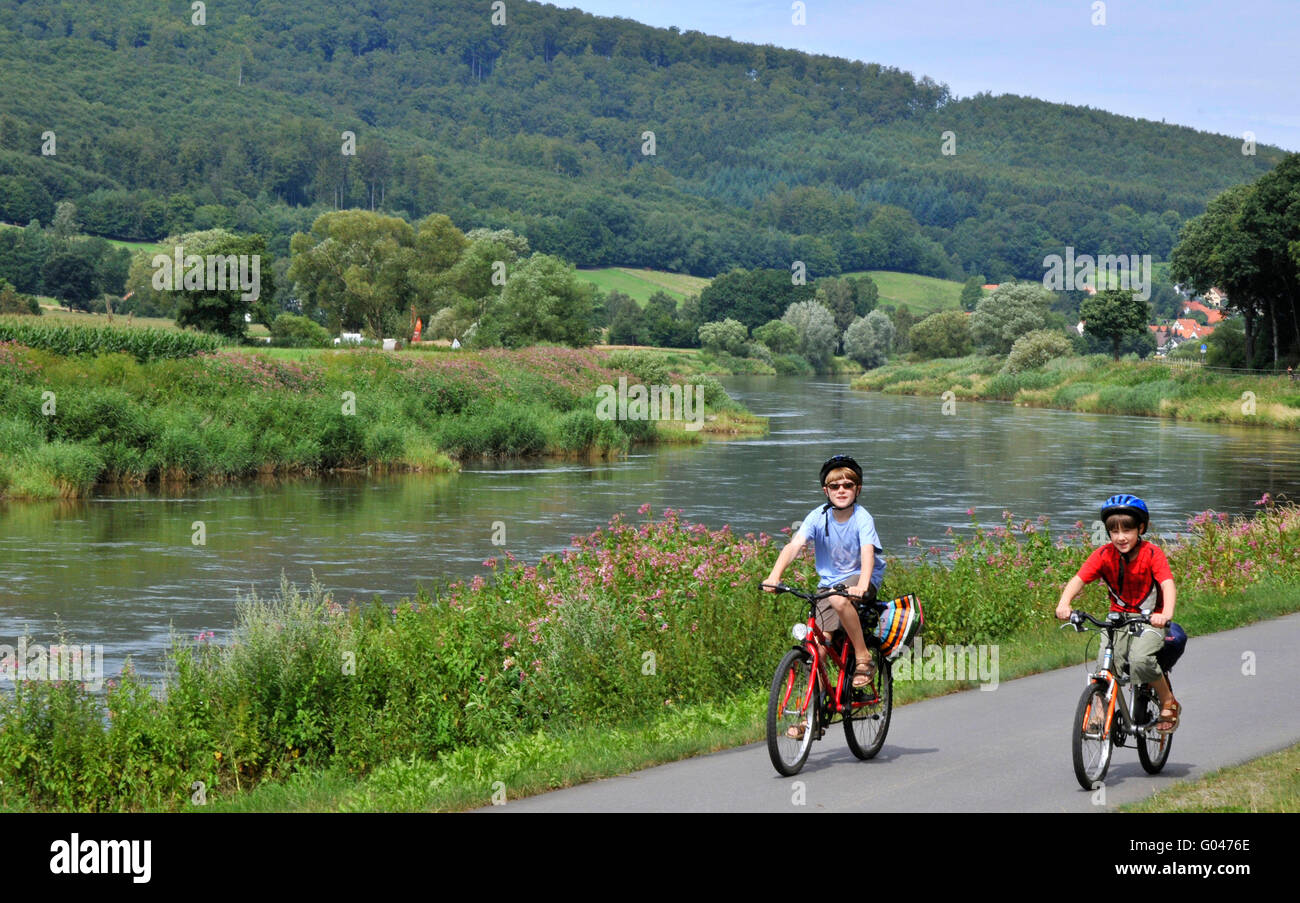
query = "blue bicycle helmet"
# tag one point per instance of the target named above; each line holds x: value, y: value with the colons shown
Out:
x: 1126, y: 504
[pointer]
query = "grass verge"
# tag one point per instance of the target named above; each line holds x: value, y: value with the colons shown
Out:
x: 1267, y: 784
x: 69, y: 423
x: 1096, y: 384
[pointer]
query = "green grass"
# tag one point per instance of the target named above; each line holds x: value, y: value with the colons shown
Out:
x: 1267, y: 784
x: 133, y: 419
x: 52, y: 311
x: 153, y: 247
x: 1097, y: 384
x: 641, y: 284
x: 922, y: 294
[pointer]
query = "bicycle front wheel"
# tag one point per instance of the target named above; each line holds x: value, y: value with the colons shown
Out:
x: 792, y: 712
x: 1089, y: 738
x: 1153, y: 748
x: 867, y: 721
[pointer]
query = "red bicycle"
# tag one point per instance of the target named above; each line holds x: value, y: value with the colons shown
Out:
x: 805, y: 700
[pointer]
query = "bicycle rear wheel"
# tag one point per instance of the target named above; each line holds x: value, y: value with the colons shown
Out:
x: 1153, y: 750
x: 1089, y: 740
x: 792, y: 708
x: 867, y: 723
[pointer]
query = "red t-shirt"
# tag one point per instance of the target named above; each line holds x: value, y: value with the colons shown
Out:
x: 1132, y: 580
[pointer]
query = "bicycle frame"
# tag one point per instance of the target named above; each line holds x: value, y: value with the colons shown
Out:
x: 813, y: 643
x: 1115, y: 698
x: 794, y: 723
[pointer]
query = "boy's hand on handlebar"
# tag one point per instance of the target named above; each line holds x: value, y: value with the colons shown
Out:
x: 1159, y: 620
x: 1063, y: 611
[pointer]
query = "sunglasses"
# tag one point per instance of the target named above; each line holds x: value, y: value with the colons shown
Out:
x: 847, y: 484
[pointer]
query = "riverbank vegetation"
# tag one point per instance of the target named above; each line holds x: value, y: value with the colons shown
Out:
x: 612, y: 654
x: 68, y: 423
x: 1181, y: 390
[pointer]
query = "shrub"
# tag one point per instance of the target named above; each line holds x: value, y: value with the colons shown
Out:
x: 647, y: 366
x: 292, y: 331
x: 942, y: 334
x: 1035, y: 349
x: 868, y: 339
x: 1066, y: 396
x: 582, y: 431
x: 724, y: 335
x: 14, y: 302
x: 18, y: 435
x: 818, y: 336
x: 1011, y: 311
x: 791, y: 365
x: 506, y: 429
x: 70, y: 467
x: 715, y: 397
x: 779, y: 336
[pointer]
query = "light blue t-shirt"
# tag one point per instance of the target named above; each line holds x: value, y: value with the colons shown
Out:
x: 839, y: 554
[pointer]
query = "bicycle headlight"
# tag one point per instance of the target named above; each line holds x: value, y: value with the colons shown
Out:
x: 800, y: 632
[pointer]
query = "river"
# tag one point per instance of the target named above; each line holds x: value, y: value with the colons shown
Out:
x: 122, y: 569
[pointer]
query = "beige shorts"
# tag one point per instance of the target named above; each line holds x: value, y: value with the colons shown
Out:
x: 827, y: 619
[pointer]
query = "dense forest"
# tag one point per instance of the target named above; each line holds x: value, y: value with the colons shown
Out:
x: 601, y: 141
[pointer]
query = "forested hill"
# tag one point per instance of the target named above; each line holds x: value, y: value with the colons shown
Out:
x: 761, y: 155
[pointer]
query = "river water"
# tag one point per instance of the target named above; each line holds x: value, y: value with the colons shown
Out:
x: 123, y: 569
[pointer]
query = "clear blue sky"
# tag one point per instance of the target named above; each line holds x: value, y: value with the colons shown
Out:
x: 1224, y: 66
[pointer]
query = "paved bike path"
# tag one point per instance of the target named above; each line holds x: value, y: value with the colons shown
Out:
x: 1005, y: 750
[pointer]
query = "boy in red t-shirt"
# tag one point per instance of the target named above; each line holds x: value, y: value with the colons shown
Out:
x: 1132, y: 568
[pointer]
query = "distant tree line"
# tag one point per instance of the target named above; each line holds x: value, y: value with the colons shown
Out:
x: 538, y: 127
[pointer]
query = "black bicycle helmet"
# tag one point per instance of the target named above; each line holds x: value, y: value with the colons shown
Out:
x: 1126, y: 504
x: 839, y: 461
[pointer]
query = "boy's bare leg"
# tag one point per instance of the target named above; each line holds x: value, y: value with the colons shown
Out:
x: 1163, y: 691
x: 851, y: 624
x: 1167, y: 702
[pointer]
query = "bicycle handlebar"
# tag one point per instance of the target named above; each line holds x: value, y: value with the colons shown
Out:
x: 1078, y: 617
x: 838, y: 589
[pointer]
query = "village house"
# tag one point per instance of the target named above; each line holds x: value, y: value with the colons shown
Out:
x: 1212, y: 314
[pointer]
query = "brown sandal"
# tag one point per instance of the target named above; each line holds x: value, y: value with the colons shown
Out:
x: 866, y: 671
x: 1170, y: 715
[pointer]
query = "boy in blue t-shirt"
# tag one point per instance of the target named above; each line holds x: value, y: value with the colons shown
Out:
x: 847, y: 549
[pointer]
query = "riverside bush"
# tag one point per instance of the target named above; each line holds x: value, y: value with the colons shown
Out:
x: 791, y: 365
x: 238, y: 413
x: 1037, y: 349
x: 1006, y: 385
x: 1067, y: 395
x: 1141, y: 398
x: 292, y: 331
x: 630, y: 620
x: 649, y: 368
